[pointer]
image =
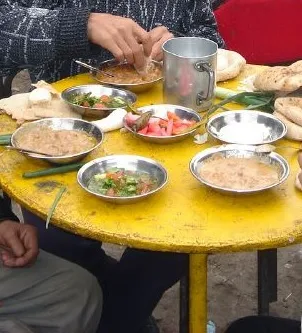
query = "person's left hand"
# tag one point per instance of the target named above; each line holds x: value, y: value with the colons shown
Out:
x: 19, y: 244
x: 159, y: 35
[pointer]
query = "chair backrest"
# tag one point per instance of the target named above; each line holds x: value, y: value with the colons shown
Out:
x: 263, y: 31
x: 6, y: 84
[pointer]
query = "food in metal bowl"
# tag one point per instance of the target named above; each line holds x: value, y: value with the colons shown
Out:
x: 150, y: 125
x: 163, y: 123
x: 120, y: 182
x: 122, y: 179
x: 55, y: 142
x: 238, y: 173
x: 246, y: 127
x: 239, y: 169
x: 127, y: 74
x: 102, y: 102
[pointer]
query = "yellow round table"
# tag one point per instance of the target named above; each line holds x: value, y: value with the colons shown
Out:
x: 183, y: 217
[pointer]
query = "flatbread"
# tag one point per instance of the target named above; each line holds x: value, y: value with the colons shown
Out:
x: 294, y: 131
x: 20, y: 109
x: 280, y: 78
x: 290, y: 107
x: 298, y: 180
x: 16, y: 106
x: 296, y: 66
x: 229, y: 64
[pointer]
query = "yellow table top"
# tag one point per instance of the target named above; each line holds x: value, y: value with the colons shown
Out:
x: 184, y: 216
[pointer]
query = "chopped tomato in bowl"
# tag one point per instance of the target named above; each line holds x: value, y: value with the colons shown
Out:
x: 168, y: 123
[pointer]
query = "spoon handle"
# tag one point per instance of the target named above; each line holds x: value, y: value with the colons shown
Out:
x: 94, y: 69
x: 26, y: 151
x: 85, y: 65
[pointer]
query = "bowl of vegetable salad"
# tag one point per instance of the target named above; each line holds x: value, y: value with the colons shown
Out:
x: 122, y: 179
x: 97, y: 101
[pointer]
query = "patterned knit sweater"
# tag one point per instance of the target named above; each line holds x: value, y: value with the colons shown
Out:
x: 45, y: 35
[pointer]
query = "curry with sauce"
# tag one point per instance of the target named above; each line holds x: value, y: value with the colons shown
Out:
x: 238, y: 173
x: 55, y: 142
x: 127, y: 74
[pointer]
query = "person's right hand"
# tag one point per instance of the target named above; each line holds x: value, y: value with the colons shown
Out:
x: 19, y: 242
x: 124, y: 38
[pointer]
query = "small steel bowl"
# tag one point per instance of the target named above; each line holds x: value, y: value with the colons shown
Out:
x: 134, y: 87
x: 245, y: 151
x: 96, y: 90
x: 180, y: 111
x: 246, y: 127
x: 59, y: 124
x: 127, y: 162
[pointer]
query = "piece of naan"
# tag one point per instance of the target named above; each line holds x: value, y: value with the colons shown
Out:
x: 43, y: 102
x: 280, y: 78
x: 16, y: 106
x: 290, y: 107
x: 294, y: 131
x: 298, y: 180
x: 229, y: 64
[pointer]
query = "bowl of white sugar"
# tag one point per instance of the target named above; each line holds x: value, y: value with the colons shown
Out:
x: 246, y: 127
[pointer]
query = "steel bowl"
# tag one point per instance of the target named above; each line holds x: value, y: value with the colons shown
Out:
x: 127, y: 162
x: 96, y: 90
x: 180, y: 111
x: 59, y: 124
x: 245, y: 151
x: 246, y: 127
x: 134, y: 87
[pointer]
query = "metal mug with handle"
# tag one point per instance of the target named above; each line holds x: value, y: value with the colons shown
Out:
x: 189, y: 72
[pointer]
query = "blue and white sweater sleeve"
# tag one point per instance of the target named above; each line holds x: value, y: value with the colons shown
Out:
x: 33, y: 36
x: 199, y: 20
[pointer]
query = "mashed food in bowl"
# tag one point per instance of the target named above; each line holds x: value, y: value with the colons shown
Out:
x: 55, y: 142
x: 127, y: 74
x: 238, y: 173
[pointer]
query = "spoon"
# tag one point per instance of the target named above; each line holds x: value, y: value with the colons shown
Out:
x: 21, y: 150
x: 94, y: 69
x: 142, y: 121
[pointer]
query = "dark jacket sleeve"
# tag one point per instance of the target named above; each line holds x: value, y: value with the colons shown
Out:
x: 6, y: 212
x: 199, y: 20
x: 33, y: 35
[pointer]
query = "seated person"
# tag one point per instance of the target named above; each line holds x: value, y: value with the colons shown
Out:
x: 266, y: 324
x: 45, y: 36
x: 41, y: 293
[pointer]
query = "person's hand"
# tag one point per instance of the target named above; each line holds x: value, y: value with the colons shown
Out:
x: 124, y: 38
x: 19, y: 243
x: 159, y: 35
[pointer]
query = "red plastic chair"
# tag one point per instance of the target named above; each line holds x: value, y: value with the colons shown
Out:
x: 263, y: 31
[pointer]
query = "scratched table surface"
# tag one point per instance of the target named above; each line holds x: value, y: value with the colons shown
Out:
x: 185, y: 216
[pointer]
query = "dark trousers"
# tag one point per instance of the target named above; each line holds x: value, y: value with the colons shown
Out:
x: 132, y: 287
x: 263, y: 324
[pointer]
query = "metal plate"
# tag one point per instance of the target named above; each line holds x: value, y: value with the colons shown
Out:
x: 134, y: 87
x: 96, y: 90
x: 246, y: 127
x: 59, y: 124
x: 180, y: 111
x: 129, y: 163
x: 244, y: 151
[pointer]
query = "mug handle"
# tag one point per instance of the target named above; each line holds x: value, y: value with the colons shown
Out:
x: 205, y: 67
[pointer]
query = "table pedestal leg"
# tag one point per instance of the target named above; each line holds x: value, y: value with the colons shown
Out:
x: 198, y: 293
